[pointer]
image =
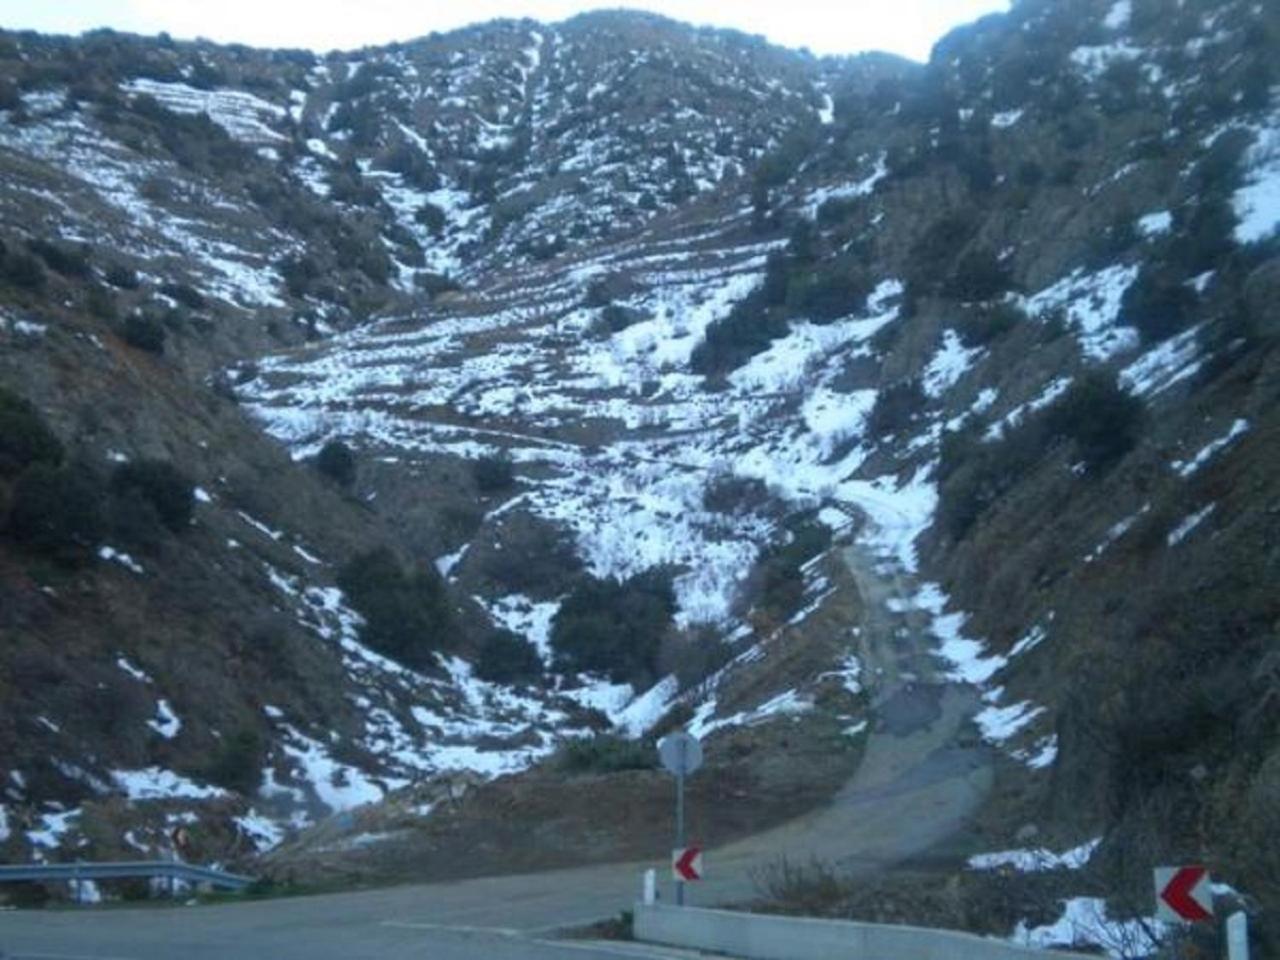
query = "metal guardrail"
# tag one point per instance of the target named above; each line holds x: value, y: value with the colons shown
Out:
x: 124, y: 870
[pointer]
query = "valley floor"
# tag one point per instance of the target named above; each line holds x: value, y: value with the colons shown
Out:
x: 921, y: 781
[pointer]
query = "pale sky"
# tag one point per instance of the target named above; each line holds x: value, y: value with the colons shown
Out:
x: 907, y: 27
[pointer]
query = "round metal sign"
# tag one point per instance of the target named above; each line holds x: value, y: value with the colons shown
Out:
x: 680, y: 753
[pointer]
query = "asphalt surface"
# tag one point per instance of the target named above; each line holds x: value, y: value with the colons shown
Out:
x: 918, y: 785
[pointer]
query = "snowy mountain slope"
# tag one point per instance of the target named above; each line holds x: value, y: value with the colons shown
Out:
x: 1006, y: 321
x: 194, y: 188
x: 1049, y: 236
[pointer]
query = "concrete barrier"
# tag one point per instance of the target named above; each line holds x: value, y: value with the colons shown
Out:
x: 759, y: 937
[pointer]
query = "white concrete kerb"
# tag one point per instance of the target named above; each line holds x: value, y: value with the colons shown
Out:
x: 758, y: 937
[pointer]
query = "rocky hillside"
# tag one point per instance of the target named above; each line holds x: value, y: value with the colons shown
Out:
x: 606, y: 329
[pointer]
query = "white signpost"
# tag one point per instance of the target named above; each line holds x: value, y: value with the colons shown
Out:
x: 681, y: 755
x: 1238, y: 937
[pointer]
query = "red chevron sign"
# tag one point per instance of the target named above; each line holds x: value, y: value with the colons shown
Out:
x: 686, y: 864
x: 1184, y: 894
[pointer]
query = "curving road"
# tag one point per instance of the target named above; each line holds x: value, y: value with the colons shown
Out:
x: 919, y: 783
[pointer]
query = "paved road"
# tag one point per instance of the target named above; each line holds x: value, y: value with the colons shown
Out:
x: 915, y: 787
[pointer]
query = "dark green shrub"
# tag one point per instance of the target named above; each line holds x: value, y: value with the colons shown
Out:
x: 980, y: 275
x: 731, y: 494
x: 25, y: 437
x: 1030, y: 174
x: 336, y: 461
x: 974, y: 474
x: 600, y: 293
x: 1120, y: 86
x: 1158, y: 304
x: 57, y: 510
x: 1103, y: 419
x: 778, y: 167
x: 693, y: 657
x: 237, y: 764
x: 1113, y: 242
x: 375, y: 263
x: 779, y: 582
x: 761, y: 206
x: 135, y: 523
x: 433, y: 218
x: 493, y: 474
x: 184, y: 294
x: 299, y: 271
x: 1255, y: 86
x: 614, y: 628
x: 1204, y: 235
x: 617, y: 318
x: 348, y: 186
x: 606, y: 754
x: 897, y: 407
x: 413, y: 165
x: 830, y: 292
x: 935, y: 251
x: 981, y: 326
x: 1067, y: 172
x: 161, y: 484
x: 434, y: 284
x: 777, y: 279
x: 68, y: 261
x: 541, y: 562
x: 506, y: 657
x: 1220, y: 171
x: 979, y: 171
x: 99, y: 302
x: 24, y: 271
x: 27, y: 894
x: 10, y: 98
x: 145, y: 332
x: 802, y: 244
x: 838, y: 209
x: 956, y: 448
x: 406, y: 612
x: 732, y: 340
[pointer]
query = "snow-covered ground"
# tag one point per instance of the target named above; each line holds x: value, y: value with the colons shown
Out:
x: 1038, y: 860
x: 1085, y: 923
x: 531, y: 356
x: 114, y: 192
x: 241, y: 114
x: 636, y: 502
x: 1257, y: 202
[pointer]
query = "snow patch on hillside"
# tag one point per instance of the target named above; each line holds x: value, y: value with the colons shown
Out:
x: 952, y: 361
x: 1085, y: 923
x: 156, y: 783
x: 1164, y: 365
x: 1257, y: 203
x: 241, y: 114
x: 1188, y: 526
x: 1039, y: 860
x: 1091, y: 303
x: 1185, y: 468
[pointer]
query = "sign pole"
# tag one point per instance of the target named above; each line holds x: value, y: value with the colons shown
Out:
x: 681, y: 755
x: 680, y: 817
